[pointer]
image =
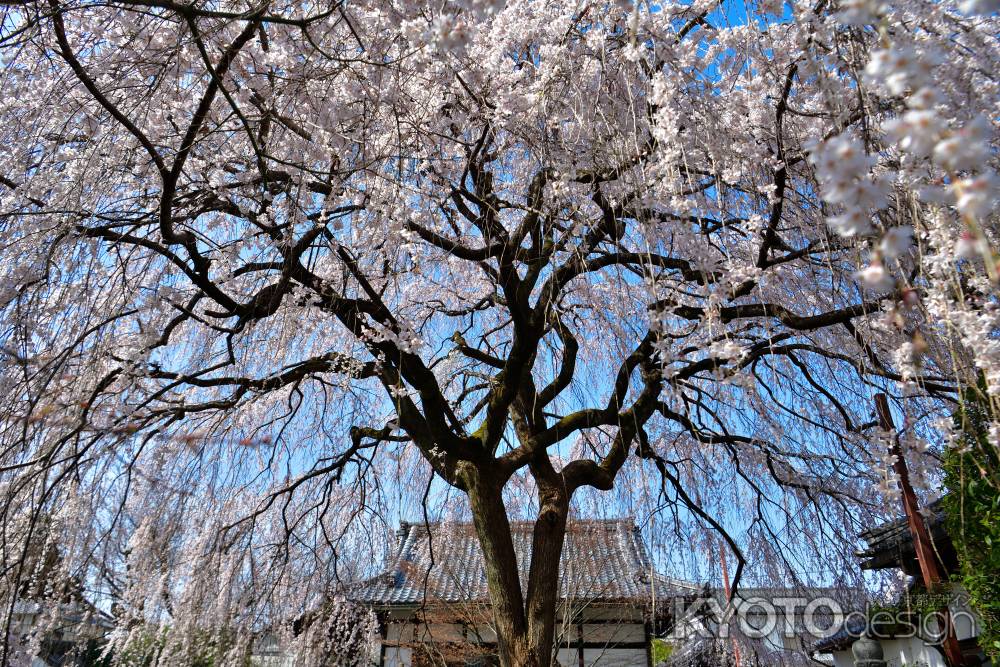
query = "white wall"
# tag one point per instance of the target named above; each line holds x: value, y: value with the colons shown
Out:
x: 911, y: 652
x: 614, y: 633
x: 607, y: 635
x: 843, y: 659
x: 397, y: 657
x: 613, y: 657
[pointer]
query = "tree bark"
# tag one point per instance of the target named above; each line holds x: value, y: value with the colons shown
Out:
x: 525, y: 626
x: 543, y: 576
x: 489, y: 516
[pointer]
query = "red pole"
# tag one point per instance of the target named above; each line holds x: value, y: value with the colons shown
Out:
x: 729, y: 598
x: 930, y: 570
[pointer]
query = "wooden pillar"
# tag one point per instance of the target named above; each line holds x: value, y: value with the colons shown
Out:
x: 930, y: 570
x: 729, y: 599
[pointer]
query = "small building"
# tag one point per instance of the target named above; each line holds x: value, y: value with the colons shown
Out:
x: 904, y: 630
x: 49, y: 633
x: 758, y: 626
x: 433, y: 605
x: 890, y: 545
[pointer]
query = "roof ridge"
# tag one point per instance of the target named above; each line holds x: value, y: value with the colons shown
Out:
x: 628, y: 521
x: 603, y: 559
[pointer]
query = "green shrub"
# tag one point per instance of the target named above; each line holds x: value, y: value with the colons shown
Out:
x: 972, y: 507
x: 661, y: 650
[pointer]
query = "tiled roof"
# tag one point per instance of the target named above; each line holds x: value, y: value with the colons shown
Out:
x: 602, y: 561
x: 843, y: 638
x: 891, y: 545
x: 71, y: 613
x: 777, y: 596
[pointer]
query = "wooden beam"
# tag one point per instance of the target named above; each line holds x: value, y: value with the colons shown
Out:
x: 930, y: 569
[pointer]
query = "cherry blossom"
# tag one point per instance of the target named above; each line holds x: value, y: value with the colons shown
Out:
x: 916, y: 131
x: 966, y: 148
x: 876, y: 277
x: 276, y: 277
x: 977, y: 196
x: 896, y: 242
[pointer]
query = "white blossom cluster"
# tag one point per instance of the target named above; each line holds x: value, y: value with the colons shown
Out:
x: 272, y: 283
x: 942, y: 159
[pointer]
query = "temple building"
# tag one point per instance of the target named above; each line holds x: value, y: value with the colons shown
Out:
x: 433, y: 605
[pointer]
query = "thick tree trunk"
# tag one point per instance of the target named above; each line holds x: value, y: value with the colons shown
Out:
x: 543, y: 575
x: 493, y: 530
x: 525, y: 625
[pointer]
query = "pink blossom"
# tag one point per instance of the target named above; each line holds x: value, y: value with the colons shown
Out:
x: 896, y: 242
x: 875, y: 277
x: 977, y: 196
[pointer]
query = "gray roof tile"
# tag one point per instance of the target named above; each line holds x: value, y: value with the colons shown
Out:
x: 602, y: 560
